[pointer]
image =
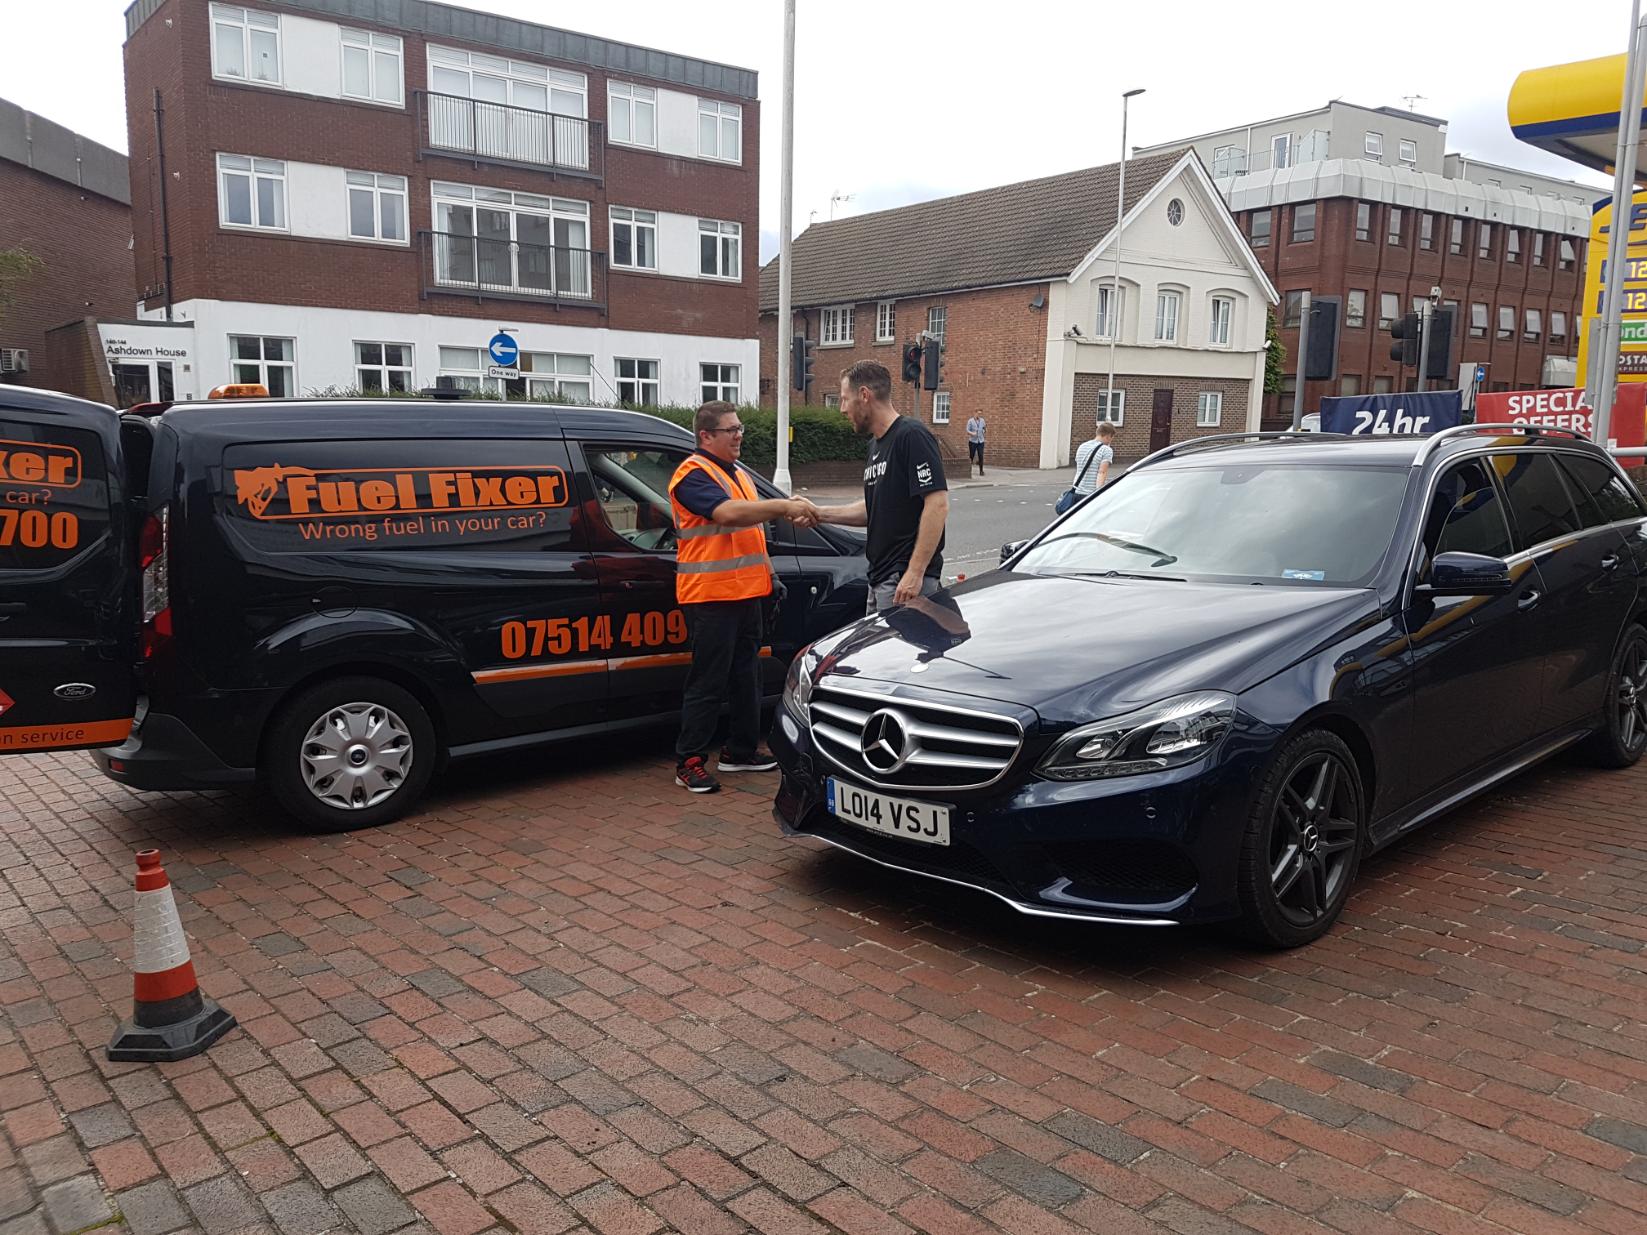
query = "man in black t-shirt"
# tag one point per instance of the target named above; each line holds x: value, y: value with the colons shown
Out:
x: 906, y: 499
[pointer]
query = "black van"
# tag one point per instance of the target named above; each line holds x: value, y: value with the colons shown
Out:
x: 338, y: 595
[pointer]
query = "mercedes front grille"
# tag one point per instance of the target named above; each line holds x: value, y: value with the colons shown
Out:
x: 904, y: 743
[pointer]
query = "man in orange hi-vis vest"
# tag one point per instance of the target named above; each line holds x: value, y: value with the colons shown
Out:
x: 722, y: 575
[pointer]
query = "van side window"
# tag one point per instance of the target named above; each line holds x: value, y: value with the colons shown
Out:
x: 1466, y: 515
x: 632, y: 490
x: 1538, y: 497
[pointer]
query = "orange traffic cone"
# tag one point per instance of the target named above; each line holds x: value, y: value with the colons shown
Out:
x: 171, y: 1019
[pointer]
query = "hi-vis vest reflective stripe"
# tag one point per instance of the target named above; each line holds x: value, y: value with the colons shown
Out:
x: 713, y: 562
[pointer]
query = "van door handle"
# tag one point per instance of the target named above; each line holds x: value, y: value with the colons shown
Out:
x: 1529, y: 600
x: 1610, y: 562
x: 628, y: 585
x: 13, y: 606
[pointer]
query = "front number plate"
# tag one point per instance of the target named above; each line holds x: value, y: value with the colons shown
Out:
x: 926, y: 822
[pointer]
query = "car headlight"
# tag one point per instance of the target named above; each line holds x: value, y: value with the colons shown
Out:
x: 1164, y: 735
x: 797, y: 687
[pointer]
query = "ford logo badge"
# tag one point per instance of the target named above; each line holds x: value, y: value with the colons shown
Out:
x: 75, y: 690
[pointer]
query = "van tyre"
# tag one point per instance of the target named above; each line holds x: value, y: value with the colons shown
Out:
x: 350, y: 753
x: 1621, y: 737
x: 1303, y: 843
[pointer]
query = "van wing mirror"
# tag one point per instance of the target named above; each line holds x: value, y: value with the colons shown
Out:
x: 1467, y: 574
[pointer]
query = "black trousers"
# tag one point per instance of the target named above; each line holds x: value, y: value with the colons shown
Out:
x: 726, y: 651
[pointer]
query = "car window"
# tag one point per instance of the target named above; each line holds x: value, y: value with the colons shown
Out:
x: 632, y: 491
x: 1466, y: 515
x: 1539, y: 502
x: 1608, y: 497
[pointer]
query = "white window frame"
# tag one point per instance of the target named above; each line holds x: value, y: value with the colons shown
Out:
x: 1372, y: 145
x: 727, y: 121
x: 263, y: 364
x: 1408, y: 152
x: 636, y: 222
x: 548, y: 377
x: 835, y: 326
x: 632, y: 100
x: 886, y: 321
x: 383, y: 189
x: 720, y: 385
x: 1169, y: 310
x: 1506, y: 323
x: 640, y: 384
x: 472, y: 379
x: 940, y: 407
x: 513, y: 73
x: 1352, y: 319
x: 728, y: 249
x: 236, y: 17
x: 1209, y: 409
x: 1480, y: 320
x: 1532, y: 325
x: 382, y: 368
x: 1118, y: 418
x: 1221, y: 321
x: 1558, y: 332
x: 253, y: 170
x: 1281, y: 151
x: 554, y: 209
x: 937, y: 322
x: 1389, y: 308
x: 1512, y: 246
x: 1101, y: 326
x: 378, y: 49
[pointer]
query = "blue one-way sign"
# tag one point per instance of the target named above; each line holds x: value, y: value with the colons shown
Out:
x: 504, y: 350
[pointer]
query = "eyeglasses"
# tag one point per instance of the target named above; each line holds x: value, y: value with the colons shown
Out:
x: 737, y: 429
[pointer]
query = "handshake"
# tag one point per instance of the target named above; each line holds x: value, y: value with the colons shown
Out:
x: 801, y: 512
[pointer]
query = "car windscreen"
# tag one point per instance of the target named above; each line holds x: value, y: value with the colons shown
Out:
x: 1286, y: 523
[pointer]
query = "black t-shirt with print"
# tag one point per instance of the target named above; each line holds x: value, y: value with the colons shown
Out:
x: 904, y: 466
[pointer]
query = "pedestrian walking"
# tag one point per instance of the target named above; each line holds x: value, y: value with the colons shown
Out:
x: 975, y: 427
x: 906, y: 498
x: 723, y: 579
x: 1093, y: 459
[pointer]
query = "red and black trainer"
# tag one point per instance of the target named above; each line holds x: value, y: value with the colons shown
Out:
x: 694, y: 777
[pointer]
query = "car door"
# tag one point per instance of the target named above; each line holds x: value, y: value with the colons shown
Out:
x: 1587, y: 589
x: 1476, y: 666
x: 68, y: 576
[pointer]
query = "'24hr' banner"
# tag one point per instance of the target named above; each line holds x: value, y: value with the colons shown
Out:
x: 1430, y: 412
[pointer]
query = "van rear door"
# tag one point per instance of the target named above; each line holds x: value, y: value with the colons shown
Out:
x: 68, y: 576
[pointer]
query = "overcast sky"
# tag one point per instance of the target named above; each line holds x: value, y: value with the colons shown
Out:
x: 897, y: 103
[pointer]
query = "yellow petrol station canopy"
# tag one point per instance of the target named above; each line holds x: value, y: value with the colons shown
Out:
x: 1572, y: 110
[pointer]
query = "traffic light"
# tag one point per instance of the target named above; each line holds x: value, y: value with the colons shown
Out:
x: 1321, y: 355
x: 800, y: 361
x: 912, y: 362
x: 1441, y: 345
x: 932, y: 365
x: 1404, y: 331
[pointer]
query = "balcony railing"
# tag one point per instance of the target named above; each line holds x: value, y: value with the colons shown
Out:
x: 1303, y: 148
x: 507, y: 269
x: 522, y: 136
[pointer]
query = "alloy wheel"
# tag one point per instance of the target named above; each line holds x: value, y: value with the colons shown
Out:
x: 1632, y: 696
x: 1312, y: 838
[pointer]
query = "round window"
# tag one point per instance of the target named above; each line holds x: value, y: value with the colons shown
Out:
x: 1175, y: 212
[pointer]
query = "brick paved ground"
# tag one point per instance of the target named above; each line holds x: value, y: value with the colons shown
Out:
x: 558, y: 1002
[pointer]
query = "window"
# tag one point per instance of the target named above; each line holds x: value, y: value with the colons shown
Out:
x: 1261, y: 228
x: 1355, y: 310
x: 1394, y: 235
x: 1289, y: 391
x: 886, y: 321
x: 1175, y: 212
x: 720, y: 131
x: 507, y: 109
x: 1506, y: 322
x: 1363, y: 221
x: 251, y: 192
x: 1111, y: 300
x: 1373, y: 145
x: 940, y: 407
x: 1538, y: 248
x: 1539, y: 502
x: 632, y: 114
x: 467, y: 366
x: 1349, y: 384
x: 1167, y: 305
x: 720, y: 249
x: 245, y: 45
x: 1568, y: 255
x: 1389, y: 308
x: 1466, y: 515
x: 1533, y: 326
x: 381, y: 367
x: 1114, y: 415
x: 1455, y: 240
x: 1383, y: 385
x: 632, y: 489
x: 1558, y: 326
x: 634, y: 238
x: 1512, y: 245
x: 1303, y: 223
x: 1483, y: 239
x: 497, y: 241
x: 551, y: 375
x: 832, y: 401
x: 1426, y: 231
x: 372, y: 67
x: 638, y: 383
x: 837, y: 327
x: 1218, y: 326
x: 1228, y: 161
x: 720, y: 381
x: 1281, y: 151
x: 937, y: 322
x: 377, y: 207
x: 1209, y: 409
x: 1409, y: 152
x: 270, y: 363
x: 1293, y: 312
x: 1478, y: 320
x: 1601, y: 489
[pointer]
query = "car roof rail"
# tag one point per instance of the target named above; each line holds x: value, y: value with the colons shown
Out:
x: 1505, y: 429
x: 1229, y: 439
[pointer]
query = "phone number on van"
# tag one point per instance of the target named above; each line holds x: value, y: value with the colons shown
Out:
x: 563, y: 636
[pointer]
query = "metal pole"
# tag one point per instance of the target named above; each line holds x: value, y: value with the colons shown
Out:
x: 165, y: 218
x: 1426, y: 319
x: 1603, y: 377
x: 786, y: 314
x: 1303, y: 350
x: 1115, y: 282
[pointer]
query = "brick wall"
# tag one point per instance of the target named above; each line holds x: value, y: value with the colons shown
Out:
x: 205, y: 117
x: 994, y: 363
x: 81, y: 240
x: 74, y: 354
x: 1133, y: 438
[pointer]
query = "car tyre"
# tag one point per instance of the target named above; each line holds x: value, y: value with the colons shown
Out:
x: 1303, y: 843
x: 349, y: 753
x: 1621, y: 738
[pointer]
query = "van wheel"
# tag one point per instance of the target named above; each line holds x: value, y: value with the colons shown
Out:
x: 350, y: 753
x: 1303, y: 842
x: 1621, y: 737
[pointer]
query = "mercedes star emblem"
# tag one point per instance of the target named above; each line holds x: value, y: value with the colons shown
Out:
x: 885, y: 742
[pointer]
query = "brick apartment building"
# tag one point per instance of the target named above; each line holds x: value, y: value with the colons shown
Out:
x: 1016, y: 282
x: 359, y: 195
x: 1366, y: 205
x: 66, y: 202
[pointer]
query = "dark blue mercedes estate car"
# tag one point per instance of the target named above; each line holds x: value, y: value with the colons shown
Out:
x: 1209, y: 689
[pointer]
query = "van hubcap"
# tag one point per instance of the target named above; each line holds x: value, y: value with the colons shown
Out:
x: 356, y: 755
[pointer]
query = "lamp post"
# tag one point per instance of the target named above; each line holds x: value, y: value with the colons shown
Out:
x: 1115, y: 283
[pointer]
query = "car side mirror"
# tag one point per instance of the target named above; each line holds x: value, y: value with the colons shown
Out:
x: 1011, y: 547
x: 1467, y: 574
